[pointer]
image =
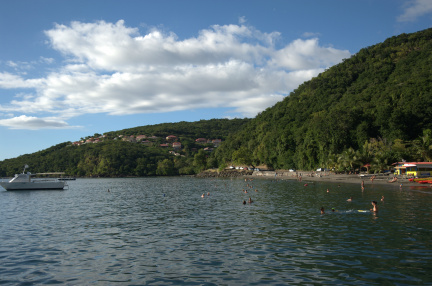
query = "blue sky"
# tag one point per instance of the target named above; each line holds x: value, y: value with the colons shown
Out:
x: 70, y: 69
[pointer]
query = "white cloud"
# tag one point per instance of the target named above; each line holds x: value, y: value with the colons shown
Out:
x: 12, y: 81
x: 310, y: 35
x: 34, y: 123
x: 111, y: 68
x: 307, y: 54
x: 415, y: 9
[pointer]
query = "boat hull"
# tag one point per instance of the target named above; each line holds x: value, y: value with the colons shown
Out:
x: 16, y: 186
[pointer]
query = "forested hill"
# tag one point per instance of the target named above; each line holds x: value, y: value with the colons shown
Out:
x: 374, y: 107
x: 215, y: 128
x: 139, y: 151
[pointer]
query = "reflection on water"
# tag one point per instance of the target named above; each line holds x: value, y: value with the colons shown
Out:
x: 160, y: 231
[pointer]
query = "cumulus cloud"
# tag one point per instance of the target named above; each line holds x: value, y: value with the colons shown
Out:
x: 33, y: 123
x: 416, y: 9
x: 111, y: 68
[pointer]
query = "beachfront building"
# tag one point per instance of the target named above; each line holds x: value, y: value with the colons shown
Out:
x: 414, y: 169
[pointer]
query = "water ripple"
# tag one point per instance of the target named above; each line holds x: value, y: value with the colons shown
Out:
x: 159, y: 231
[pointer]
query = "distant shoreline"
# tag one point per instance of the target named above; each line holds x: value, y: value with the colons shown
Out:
x: 308, y: 176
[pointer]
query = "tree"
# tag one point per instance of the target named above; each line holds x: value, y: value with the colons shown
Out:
x: 200, y: 160
x: 165, y: 168
x: 423, y: 146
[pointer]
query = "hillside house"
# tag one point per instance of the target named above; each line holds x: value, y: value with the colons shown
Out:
x: 216, y: 142
x: 171, y: 138
x: 201, y: 141
x: 146, y: 143
x: 176, y: 145
x: 129, y: 139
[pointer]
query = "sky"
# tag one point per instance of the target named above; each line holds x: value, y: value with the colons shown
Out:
x: 71, y: 69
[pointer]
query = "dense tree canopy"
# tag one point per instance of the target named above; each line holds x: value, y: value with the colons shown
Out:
x: 382, y: 93
x: 374, y: 108
x: 118, y: 158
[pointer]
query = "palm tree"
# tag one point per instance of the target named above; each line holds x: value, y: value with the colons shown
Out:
x: 380, y: 163
x: 349, y: 159
x: 423, y: 146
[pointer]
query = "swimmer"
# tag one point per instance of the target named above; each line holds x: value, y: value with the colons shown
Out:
x: 322, y: 210
x: 374, y: 206
x: 328, y: 191
x: 202, y: 196
x: 382, y: 199
x: 208, y: 194
x: 250, y: 200
x: 244, y: 202
x: 350, y: 199
x: 305, y: 185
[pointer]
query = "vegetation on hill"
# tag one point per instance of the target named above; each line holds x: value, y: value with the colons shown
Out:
x: 375, y: 107
x: 112, y: 156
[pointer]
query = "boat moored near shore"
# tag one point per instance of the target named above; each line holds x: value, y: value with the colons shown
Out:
x: 24, y: 181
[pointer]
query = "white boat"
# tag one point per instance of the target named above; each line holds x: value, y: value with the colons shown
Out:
x: 24, y: 181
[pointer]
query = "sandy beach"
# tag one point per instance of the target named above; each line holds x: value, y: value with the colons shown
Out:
x: 308, y: 176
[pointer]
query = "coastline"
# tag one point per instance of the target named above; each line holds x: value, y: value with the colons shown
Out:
x: 308, y: 176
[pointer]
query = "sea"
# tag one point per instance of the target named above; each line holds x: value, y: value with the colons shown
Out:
x: 199, y: 231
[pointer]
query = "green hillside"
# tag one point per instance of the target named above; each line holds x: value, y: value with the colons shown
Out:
x: 375, y: 107
x: 116, y: 153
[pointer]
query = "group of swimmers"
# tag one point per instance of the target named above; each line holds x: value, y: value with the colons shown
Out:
x: 245, y: 191
x: 374, y: 208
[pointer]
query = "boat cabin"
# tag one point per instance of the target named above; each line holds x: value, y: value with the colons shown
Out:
x: 21, y: 178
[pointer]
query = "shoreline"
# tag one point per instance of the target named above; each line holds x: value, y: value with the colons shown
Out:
x: 330, y: 177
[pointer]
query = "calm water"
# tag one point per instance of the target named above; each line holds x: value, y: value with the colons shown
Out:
x: 159, y: 231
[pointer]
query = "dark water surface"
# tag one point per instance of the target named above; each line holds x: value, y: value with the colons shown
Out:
x: 159, y: 231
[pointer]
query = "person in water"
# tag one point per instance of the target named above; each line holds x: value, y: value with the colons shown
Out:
x: 374, y: 206
x: 350, y: 199
x: 322, y: 210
